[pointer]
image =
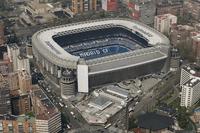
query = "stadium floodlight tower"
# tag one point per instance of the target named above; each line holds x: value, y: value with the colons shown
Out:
x: 101, y: 51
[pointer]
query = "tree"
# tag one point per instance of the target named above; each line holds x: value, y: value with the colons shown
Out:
x: 182, y: 117
x: 132, y: 123
x: 30, y: 114
x: 2, y: 4
x: 185, y: 19
x: 186, y: 51
x: 64, y: 119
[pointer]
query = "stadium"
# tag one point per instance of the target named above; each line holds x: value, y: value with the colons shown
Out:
x: 101, y: 51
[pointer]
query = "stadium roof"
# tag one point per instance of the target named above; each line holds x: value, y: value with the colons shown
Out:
x: 153, y: 121
x: 45, y: 44
x: 120, y: 62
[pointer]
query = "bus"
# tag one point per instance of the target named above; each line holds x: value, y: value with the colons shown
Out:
x: 61, y: 104
x: 108, y: 125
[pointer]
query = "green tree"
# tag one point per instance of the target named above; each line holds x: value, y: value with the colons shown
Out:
x: 186, y: 51
x: 185, y: 19
x: 2, y: 4
x: 30, y: 114
x: 132, y: 123
x: 64, y: 119
x: 182, y: 117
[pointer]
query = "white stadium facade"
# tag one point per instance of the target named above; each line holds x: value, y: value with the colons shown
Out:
x: 101, y: 51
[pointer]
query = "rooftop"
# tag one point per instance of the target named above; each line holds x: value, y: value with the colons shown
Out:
x: 182, y: 27
x: 100, y: 102
x: 192, y: 82
x: 21, y: 57
x: 165, y: 16
x: 193, y: 69
x: 196, y: 36
x: 117, y: 91
x: 35, y: 5
x: 13, y: 46
x: 164, y: 3
x: 24, y: 74
x: 19, y: 118
x: 154, y: 121
x: 100, y: 106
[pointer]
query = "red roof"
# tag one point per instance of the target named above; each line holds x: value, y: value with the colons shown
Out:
x: 137, y: 130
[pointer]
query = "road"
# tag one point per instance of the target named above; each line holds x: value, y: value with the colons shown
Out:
x: 175, y: 95
x: 56, y: 100
x: 76, y: 122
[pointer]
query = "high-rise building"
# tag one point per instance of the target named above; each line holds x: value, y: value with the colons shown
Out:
x: 21, y: 104
x: 5, y: 104
x: 5, y: 67
x: 180, y: 34
x: 48, y: 118
x: 23, y: 63
x: 190, y: 83
x: 2, y: 37
x: 188, y: 72
x: 197, y: 27
x: 80, y: 6
x: 193, y: 8
x: 17, y: 124
x: 34, y: 9
x: 195, y: 38
x: 190, y: 93
x: 143, y: 11
x: 13, y: 81
x: 25, y: 81
x: 164, y: 22
x: 175, y: 59
x: 174, y: 7
x: 67, y: 84
x: 13, y: 52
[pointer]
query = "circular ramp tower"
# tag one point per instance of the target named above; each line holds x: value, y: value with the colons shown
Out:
x: 67, y: 84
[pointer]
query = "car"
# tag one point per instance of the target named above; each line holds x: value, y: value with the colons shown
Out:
x: 68, y: 126
x: 60, y: 99
x: 72, y: 113
x: 61, y: 104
